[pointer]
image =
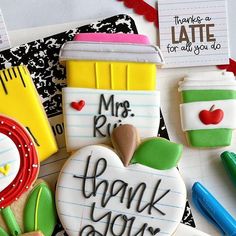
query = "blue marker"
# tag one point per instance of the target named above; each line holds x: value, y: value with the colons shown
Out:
x: 213, y: 210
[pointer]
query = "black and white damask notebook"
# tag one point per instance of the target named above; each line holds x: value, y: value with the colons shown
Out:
x: 42, y: 60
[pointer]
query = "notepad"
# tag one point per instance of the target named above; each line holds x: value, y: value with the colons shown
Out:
x: 103, y: 110
x: 193, y: 32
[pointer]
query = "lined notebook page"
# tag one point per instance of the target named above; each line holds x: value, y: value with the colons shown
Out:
x: 193, y: 32
x: 105, y: 109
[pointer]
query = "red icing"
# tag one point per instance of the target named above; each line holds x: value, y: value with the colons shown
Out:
x: 28, y: 161
x: 231, y: 67
x: 78, y: 105
x: 213, y: 117
x: 142, y: 8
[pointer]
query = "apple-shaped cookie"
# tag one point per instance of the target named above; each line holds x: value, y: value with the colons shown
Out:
x: 212, y: 116
x: 97, y: 195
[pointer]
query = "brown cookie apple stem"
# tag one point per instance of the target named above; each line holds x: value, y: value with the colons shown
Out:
x: 10, y: 221
x: 212, y: 108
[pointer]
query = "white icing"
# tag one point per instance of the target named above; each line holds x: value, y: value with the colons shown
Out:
x: 111, y: 52
x: 8, y: 155
x: 188, y: 231
x: 209, y: 80
x: 79, y: 125
x: 75, y: 210
x: 190, y: 114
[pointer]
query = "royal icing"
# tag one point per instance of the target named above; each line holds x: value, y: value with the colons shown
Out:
x: 106, y: 51
x: 111, y: 61
x: 10, y: 220
x: 96, y: 194
x: 9, y: 161
x: 104, y: 110
x: 192, y: 117
x: 208, y: 108
x: 158, y: 153
x: 20, y: 100
x: 25, y: 167
x: 112, y: 38
x: 39, y: 211
x: 125, y: 140
x: 208, y: 80
x: 35, y: 233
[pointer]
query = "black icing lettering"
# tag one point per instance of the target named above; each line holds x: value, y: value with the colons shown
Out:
x: 118, y: 105
x: 116, y: 224
x: 103, y: 104
x: 109, y: 129
x: 126, y: 111
x: 133, y: 192
x: 98, y: 123
x: 142, y: 230
x: 108, y: 215
x: 114, y: 192
x: 113, y: 225
x: 92, y: 231
x: 154, y: 201
x: 96, y: 174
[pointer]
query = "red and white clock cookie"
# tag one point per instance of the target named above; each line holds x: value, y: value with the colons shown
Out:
x: 19, y: 163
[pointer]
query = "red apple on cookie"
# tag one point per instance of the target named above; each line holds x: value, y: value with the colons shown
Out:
x: 211, y: 116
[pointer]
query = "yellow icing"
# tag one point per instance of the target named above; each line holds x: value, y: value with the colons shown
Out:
x: 5, y: 169
x: 22, y: 103
x: 111, y: 75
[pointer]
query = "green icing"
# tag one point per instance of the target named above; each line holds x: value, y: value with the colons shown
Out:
x: 3, y: 232
x: 158, y: 153
x: 10, y: 221
x: 40, y: 211
x: 229, y: 161
x: 209, y: 137
x: 207, y: 95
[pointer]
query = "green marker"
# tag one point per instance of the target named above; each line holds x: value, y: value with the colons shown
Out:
x: 229, y: 161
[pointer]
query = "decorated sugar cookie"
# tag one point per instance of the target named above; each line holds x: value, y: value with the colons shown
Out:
x: 23, y: 208
x: 111, y: 81
x: 33, y: 214
x: 208, y: 108
x: 20, y: 100
x: 90, y: 115
x: 19, y: 164
x: 102, y: 193
x: 111, y: 61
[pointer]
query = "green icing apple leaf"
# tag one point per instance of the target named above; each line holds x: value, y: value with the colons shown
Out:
x: 158, y: 153
x: 40, y: 211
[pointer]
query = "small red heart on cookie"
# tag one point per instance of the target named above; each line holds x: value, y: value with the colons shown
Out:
x: 78, y: 105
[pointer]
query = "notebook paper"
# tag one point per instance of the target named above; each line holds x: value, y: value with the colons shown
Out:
x: 193, y: 32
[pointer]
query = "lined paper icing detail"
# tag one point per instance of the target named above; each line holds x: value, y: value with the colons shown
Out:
x: 104, y: 110
x: 193, y: 33
x: 75, y: 210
